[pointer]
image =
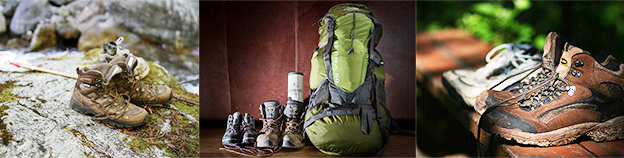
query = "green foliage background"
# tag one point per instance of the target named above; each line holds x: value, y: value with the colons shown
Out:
x: 594, y: 26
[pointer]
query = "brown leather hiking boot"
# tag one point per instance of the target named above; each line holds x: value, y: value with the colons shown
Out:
x: 93, y: 95
x: 550, y: 58
x: 130, y: 84
x: 272, y: 120
x: 584, y: 97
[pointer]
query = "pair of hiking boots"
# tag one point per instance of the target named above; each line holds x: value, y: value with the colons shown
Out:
x: 282, y: 125
x: 112, y: 92
x: 240, y: 130
x: 575, y: 94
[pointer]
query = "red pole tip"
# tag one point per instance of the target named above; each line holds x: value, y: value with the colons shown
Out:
x: 16, y: 64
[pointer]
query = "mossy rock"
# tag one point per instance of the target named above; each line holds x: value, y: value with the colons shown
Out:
x: 181, y: 126
x: 6, y: 92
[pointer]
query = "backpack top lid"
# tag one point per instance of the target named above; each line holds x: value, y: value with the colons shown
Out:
x: 342, y: 9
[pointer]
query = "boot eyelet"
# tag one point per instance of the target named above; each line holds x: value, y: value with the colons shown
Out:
x: 576, y: 73
x: 578, y: 63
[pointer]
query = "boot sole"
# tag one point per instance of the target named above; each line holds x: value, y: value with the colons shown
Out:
x: 605, y: 131
x: 267, y: 145
x: 135, y: 102
x: 288, y: 144
x: 229, y: 141
x: 80, y: 108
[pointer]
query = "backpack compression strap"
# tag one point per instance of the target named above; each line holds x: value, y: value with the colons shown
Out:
x: 373, y: 42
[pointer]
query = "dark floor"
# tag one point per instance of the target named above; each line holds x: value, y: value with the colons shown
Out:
x: 212, y: 131
x: 440, y: 133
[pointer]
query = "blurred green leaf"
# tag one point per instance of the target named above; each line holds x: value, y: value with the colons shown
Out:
x: 539, y: 41
x: 522, y: 4
x: 492, y: 22
x: 484, y: 8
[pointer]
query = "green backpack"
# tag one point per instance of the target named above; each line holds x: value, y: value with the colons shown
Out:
x: 346, y: 115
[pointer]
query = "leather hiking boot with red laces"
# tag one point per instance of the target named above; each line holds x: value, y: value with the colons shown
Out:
x: 130, y: 84
x: 552, y: 52
x: 93, y: 95
x: 583, y: 97
x: 232, y: 130
x: 272, y: 120
x: 248, y: 130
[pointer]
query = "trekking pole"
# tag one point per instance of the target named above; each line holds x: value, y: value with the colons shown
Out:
x: 74, y: 76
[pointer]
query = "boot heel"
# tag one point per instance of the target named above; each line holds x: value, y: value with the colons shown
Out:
x: 609, y: 130
x: 77, y: 106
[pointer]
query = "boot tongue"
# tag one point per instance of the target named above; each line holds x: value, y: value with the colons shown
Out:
x: 293, y: 110
x: 112, y: 72
x: 248, y: 119
x: 270, y: 110
x: 132, y: 62
x: 565, y: 62
x: 553, y: 49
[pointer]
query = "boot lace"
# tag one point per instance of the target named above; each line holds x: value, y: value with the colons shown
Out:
x: 119, y: 102
x: 547, y: 92
x: 249, y: 151
x: 533, y: 81
x: 140, y: 88
x: 293, y: 127
x: 269, y: 125
x: 248, y: 127
x: 231, y: 128
x: 509, y: 56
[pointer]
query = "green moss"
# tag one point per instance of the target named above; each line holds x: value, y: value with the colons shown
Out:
x: 158, y: 74
x: 191, y: 109
x: 61, y: 58
x: 180, y: 128
x: 139, y: 143
x: 6, y: 92
x: 4, y: 134
x: 183, y: 135
x: 7, y: 95
x: 92, y: 54
x: 81, y: 136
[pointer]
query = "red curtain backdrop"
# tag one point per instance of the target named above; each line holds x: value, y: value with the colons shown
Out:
x: 248, y: 48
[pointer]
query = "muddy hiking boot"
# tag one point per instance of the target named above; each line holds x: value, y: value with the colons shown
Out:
x: 293, y: 133
x: 130, y: 84
x: 272, y: 120
x: 584, y: 97
x: 550, y: 59
x: 248, y: 130
x: 233, y: 130
x: 94, y: 95
x: 113, y: 50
